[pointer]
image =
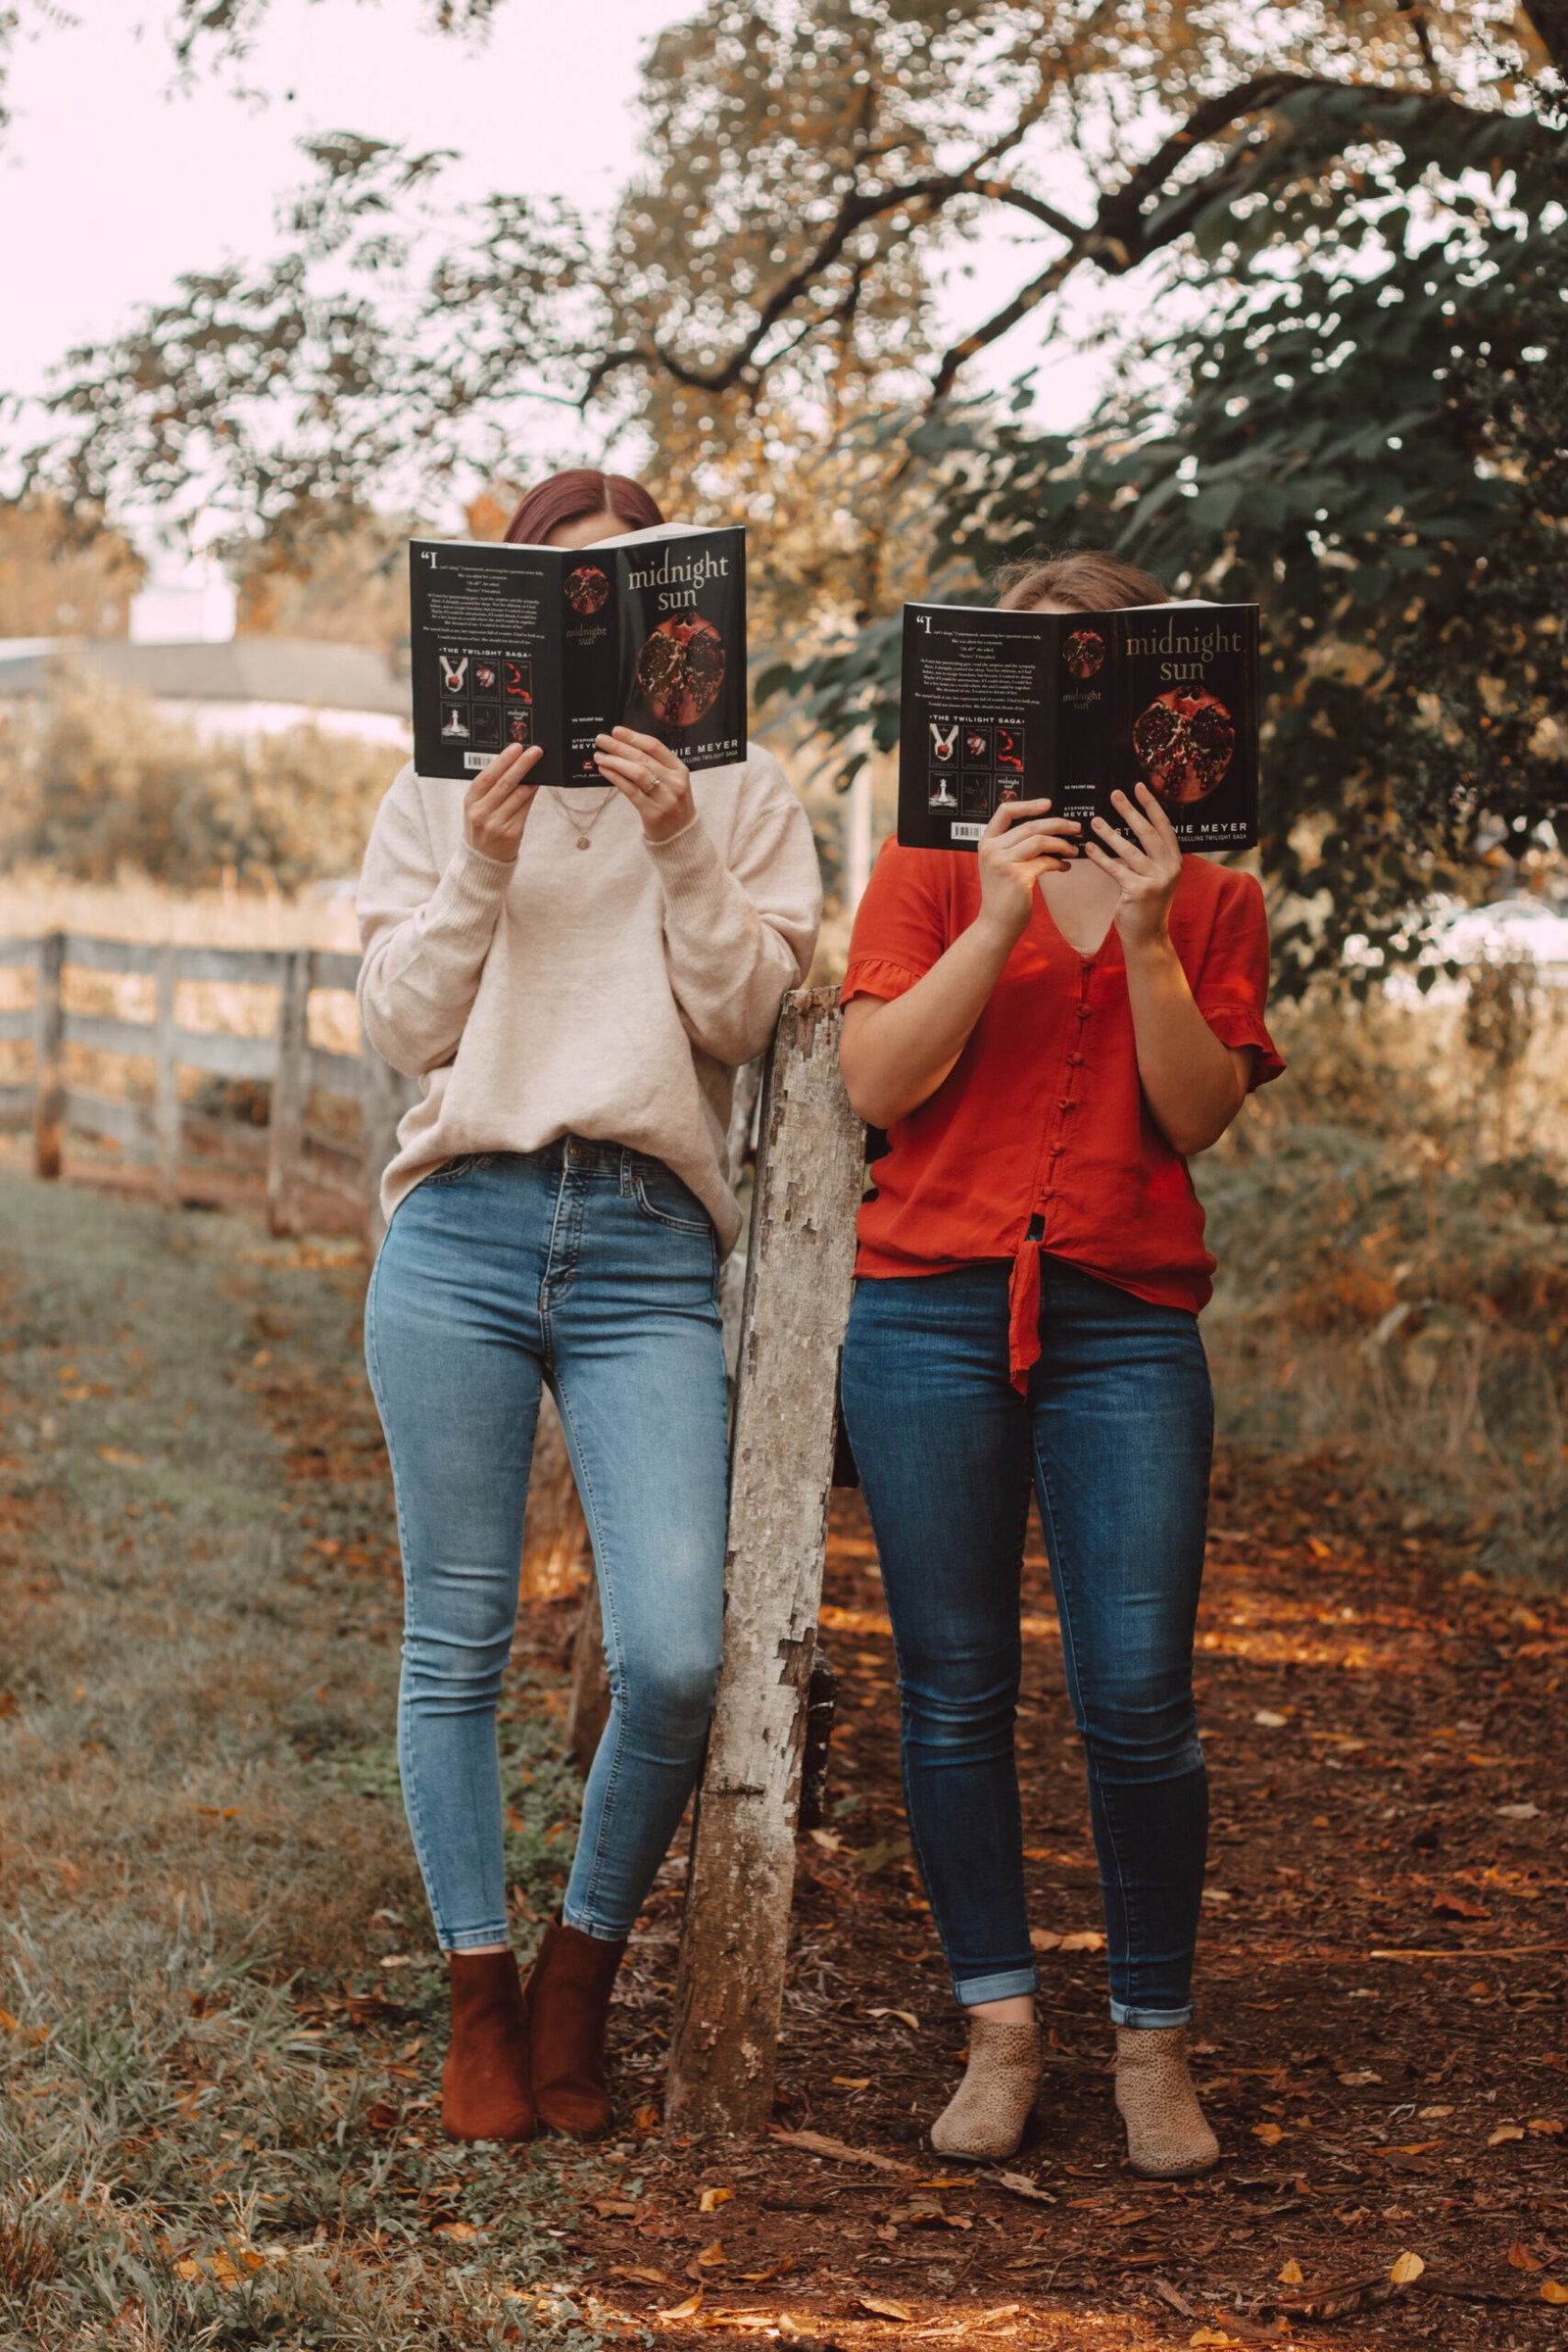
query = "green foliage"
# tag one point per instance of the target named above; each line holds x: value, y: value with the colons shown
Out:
x: 94, y: 782
x: 1368, y: 439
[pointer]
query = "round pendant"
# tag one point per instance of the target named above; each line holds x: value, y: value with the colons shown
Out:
x: 582, y: 841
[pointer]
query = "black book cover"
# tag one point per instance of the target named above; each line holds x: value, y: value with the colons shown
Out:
x: 1070, y: 707
x: 556, y: 646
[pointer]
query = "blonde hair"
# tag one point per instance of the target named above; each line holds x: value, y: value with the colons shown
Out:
x: 1089, y: 579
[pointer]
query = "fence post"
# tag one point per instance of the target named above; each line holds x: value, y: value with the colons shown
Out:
x: 48, y: 1062
x: 285, y: 1142
x: 165, y: 1076
x: 735, y: 1935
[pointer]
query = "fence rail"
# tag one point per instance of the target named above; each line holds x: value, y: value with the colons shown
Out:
x: 158, y: 1131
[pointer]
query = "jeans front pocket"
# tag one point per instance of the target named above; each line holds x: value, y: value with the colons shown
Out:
x: 662, y: 1196
x: 466, y: 1163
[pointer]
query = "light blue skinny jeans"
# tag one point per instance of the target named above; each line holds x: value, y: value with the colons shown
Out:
x: 590, y: 1268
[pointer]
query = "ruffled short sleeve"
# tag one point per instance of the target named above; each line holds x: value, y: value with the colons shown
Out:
x: 1232, y: 988
x: 902, y: 927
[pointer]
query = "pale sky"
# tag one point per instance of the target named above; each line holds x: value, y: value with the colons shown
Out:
x: 114, y: 183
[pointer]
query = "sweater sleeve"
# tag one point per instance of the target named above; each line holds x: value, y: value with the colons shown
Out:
x: 424, y: 933
x: 740, y: 934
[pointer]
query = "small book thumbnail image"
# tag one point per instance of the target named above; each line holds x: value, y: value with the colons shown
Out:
x: 973, y: 795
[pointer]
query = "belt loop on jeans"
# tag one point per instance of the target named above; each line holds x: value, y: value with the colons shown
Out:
x: 628, y: 1171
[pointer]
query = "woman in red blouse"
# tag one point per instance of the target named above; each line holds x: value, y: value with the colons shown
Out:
x: 1046, y: 1032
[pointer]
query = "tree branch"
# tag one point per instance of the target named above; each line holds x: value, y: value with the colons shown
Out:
x: 1120, y: 237
x: 1123, y: 234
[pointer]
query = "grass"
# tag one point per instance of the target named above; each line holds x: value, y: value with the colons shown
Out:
x: 1392, y: 1237
x: 222, y: 2011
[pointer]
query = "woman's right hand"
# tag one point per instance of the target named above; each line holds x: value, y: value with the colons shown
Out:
x: 496, y: 804
x: 1020, y: 845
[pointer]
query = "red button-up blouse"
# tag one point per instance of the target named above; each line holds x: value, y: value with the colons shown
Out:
x: 1043, y: 1117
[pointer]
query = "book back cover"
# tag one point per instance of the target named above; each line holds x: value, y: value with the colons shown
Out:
x: 478, y: 652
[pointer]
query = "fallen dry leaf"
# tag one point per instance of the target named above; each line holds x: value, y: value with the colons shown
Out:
x: 713, y: 2198
x: 1406, y: 2270
x: 1546, y: 2126
x: 1495, y: 2139
x: 1268, y: 1721
x: 906, y: 2017
x: 641, y: 2273
x: 1553, y: 2293
x: 1290, y: 2272
x: 461, y: 2232
x: 883, y: 2307
x: 1269, y: 2134
x: 1520, y: 2257
x: 1211, y: 2335
x: 683, y: 2311
x: 709, y: 2258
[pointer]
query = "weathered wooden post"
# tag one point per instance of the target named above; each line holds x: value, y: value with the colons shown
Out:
x: 48, y: 1056
x: 165, y: 1074
x: 734, y: 1942
x: 285, y: 1143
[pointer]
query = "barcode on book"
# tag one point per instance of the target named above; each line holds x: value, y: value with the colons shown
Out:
x: 957, y: 832
x: 473, y: 760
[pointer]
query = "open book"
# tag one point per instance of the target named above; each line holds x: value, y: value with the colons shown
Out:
x: 1069, y: 706
x: 556, y: 645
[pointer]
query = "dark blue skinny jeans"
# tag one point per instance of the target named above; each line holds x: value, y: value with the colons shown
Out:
x: 1114, y: 1436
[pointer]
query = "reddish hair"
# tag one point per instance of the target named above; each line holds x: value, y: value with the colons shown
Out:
x: 579, y: 492
x: 1086, y: 579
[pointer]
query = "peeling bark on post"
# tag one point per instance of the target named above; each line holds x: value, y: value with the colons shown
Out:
x: 48, y: 1064
x: 800, y: 1261
x: 285, y: 1152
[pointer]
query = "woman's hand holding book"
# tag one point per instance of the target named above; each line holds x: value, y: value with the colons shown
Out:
x: 496, y: 804
x: 1020, y: 845
x: 1146, y: 868
x: 649, y: 774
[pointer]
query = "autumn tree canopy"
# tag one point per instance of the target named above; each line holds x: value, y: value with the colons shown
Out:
x: 1345, y: 224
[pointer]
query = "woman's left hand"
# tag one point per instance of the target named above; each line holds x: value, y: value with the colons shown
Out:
x: 649, y: 774
x: 1147, y: 867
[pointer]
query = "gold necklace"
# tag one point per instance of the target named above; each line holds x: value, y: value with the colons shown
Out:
x: 582, y: 826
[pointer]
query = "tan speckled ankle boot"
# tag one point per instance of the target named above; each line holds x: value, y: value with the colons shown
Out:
x: 986, y: 2116
x: 1167, y: 2137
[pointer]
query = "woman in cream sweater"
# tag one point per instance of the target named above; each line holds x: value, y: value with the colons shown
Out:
x: 573, y: 976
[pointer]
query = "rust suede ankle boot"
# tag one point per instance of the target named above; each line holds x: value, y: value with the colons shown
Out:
x: 568, y: 2000
x: 484, y: 2084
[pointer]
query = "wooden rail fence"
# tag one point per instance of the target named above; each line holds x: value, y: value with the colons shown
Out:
x: 785, y: 1335
x: 157, y: 1131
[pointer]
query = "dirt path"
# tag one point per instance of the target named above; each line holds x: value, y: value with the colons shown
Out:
x: 1380, y: 2040
x: 221, y: 2020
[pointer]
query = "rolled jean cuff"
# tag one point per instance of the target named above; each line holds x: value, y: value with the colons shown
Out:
x: 475, y: 1940
x: 1149, y: 2021
x: 583, y: 1924
x: 1006, y: 1984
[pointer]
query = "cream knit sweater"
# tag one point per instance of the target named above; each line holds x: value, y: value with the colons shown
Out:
x: 609, y: 991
